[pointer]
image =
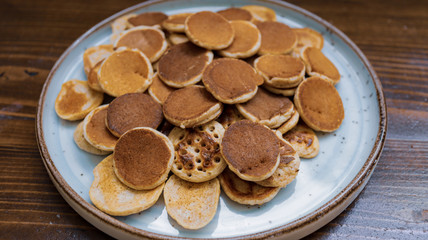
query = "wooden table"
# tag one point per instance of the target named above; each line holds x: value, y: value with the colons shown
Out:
x: 392, y: 34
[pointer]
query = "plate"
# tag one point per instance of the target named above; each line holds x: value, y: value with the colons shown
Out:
x: 325, y: 186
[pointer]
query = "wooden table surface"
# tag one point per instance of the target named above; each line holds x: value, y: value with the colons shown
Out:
x: 392, y: 34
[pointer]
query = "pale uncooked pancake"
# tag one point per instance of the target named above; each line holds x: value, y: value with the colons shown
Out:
x: 119, y: 25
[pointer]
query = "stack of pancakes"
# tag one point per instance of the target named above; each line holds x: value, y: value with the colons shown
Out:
x: 198, y: 101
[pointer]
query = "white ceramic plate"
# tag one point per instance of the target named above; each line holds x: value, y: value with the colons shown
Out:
x: 324, y: 187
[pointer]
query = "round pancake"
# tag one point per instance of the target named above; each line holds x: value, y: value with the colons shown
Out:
x: 307, y: 37
x: 318, y: 65
x: 119, y: 25
x: 159, y: 90
x: 94, y: 55
x: 267, y: 108
x: 245, y: 192
x: 288, y: 167
x: 148, y: 19
x: 261, y: 13
x: 288, y: 92
x: 93, y: 78
x: 125, y: 71
x: 175, y: 23
x: 247, y: 40
x: 231, y: 80
x: 183, y: 64
x: 133, y: 110
x: 142, y: 158
x: 233, y: 14
x: 191, y: 205
x: 149, y: 40
x: 111, y: 196
x: 197, y: 152
x: 191, y: 106
x: 81, y: 142
x: 290, y: 123
x: 229, y: 116
x: 251, y: 150
x: 76, y: 99
x: 209, y: 30
x: 304, y: 141
x: 95, y: 129
x: 280, y: 71
x: 277, y: 38
x: 177, y: 38
x: 319, y: 104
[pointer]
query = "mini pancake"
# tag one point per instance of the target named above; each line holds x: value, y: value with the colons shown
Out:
x: 307, y: 37
x: 175, y: 23
x: 229, y: 116
x: 304, y: 141
x: 142, y: 158
x: 245, y: 192
x: 318, y: 65
x: 119, y: 25
x: 277, y: 38
x: 133, y: 110
x: 111, y: 196
x: 261, y: 13
x: 280, y: 71
x: 149, y: 40
x: 247, y: 40
x: 177, y: 38
x: 81, y: 142
x: 231, y: 80
x: 93, y: 78
x: 159, y: 90
x: 94, y: 55
x: 197, y: 152
x: 76, y: 99
x: 288, y: 92
x: 183, y: 64
x: 95, y: 130
x: 267, y: 108
x: 191, y: 106
x: 153, y: 19
x: 209, y: 30
x: 125, y: 71
x: 251, y: 150
x: 288, y: 166
x: 191, y: 205
x: 290, y: 123
x: 233, y: 14
x: 319, y: 104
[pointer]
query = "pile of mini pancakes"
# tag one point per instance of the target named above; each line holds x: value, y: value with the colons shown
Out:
x: 198, y: 101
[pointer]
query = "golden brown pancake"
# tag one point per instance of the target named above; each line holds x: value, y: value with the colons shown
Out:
x: 81, y: 142
x: 318, y: 65
x: 119, y: 25
x: 261, y: 13
x: 319, y: 104
x: 233, y: 14
x: 125, y: 71
x: 304, y: 141
x: 148, y: 19
x: 290, y: 123
x: 245, y: 192
x: 175, y: 23
x: 95, y: 130
x: 149, y: 40
x: 177, y: 38
x: 93, y: 78
x: 143, y: 158
x: 267, y: 108
x: 251, y: 150
x: 94, y: 55
x: 229, y: 116
x: 111, y: 196
x: 231, y: 80
x: 183, y: 64
x: 280, y: 71
x: 191, y: 106
x: 133, y: 110
x: 247, y: 40
x: 277, y: 38
x: 288, y: 92
x: 307, y: 37
x: 192, y: 205
x: 159, y: 90
x: 209, y: 30
x: 76, y: 99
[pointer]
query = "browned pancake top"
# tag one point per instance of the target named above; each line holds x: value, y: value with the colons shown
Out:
x: 230, y: 78
x: 277, y: 38
x: 177, y: 18
x: 73, y: 101
x: 93, y: 75
x: 250, y: 148
x: 133, y: 110
x: 321, y: 64
x: 159, y: 89
x: 282, y: 66
x: 308, y: 37
x: 97, y: 130
x: 188, y: 103
x: 265, y: 105
x: 148, y: 19
x: 229, y: 116
x: 246, y: 37
x: 236, y: 14
x: 149, y: 41
x: 183, y: 62
x: 141, y: 157
x: 300, y: 134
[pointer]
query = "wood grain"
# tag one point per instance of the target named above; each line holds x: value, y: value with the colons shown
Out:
x: 392, y: 34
